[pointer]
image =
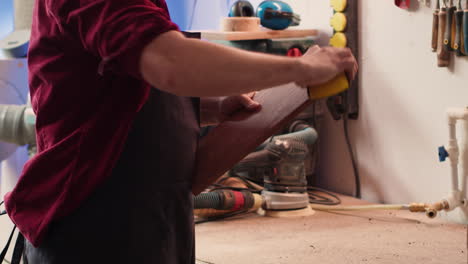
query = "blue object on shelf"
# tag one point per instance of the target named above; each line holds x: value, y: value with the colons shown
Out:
x: 443, y: 154
x: 277, y: 15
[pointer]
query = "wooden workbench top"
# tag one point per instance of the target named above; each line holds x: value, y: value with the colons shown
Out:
x: 340, y: 237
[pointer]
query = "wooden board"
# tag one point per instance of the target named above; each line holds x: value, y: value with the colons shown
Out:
x: 261, y: 34
x: 233, y: 139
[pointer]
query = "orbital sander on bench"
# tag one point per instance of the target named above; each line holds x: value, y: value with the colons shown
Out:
x: 275, y: 174
x: 279, y: 166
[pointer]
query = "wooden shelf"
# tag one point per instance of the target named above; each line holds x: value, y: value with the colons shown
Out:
x: 261, y: 34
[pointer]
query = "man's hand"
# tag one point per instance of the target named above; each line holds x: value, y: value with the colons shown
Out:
x: 215, y: 110
x: 323, y: 64
x: 232, y: 104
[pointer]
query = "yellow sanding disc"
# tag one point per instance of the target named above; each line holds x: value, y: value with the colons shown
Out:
x: 338, y: 22
x: 337, y: 85
x: 339, y: 5
x: 339, y: 40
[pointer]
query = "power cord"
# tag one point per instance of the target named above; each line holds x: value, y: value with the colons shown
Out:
x: 221, y: 217
x: 2, y: 212
x: 315, y: 198
x: 357, y: 178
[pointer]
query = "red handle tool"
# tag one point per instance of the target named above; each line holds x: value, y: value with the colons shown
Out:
x: 405, y: 4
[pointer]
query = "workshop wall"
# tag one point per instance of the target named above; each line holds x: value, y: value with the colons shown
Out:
x: 403, y: 101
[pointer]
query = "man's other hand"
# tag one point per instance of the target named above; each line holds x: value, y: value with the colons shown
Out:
x: 232, y: 104
x: 214, y: 110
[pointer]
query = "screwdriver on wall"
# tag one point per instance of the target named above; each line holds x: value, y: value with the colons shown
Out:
x: 449, y: 35
x: 443, y: 55
x: 435, y: 26
x: 458, y: 45
x: 465, y: 29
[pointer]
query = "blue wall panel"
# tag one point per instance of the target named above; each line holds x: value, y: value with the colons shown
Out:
x: 180, y: 14
x: 6, y: 19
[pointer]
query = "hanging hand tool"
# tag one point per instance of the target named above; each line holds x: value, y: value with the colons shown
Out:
x: 465, y: 29
x: 405, y: 4
x: 449, y: 33
x: 435, y: 26
x: 459, y: 46
x: 425, y: 2
x: 443, y: 55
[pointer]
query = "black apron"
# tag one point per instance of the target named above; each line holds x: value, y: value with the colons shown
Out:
x: 144, y: 212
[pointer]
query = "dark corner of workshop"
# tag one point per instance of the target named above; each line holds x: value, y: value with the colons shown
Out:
x: 233, y: 131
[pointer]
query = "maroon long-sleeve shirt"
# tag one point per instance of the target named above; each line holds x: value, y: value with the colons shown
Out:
x: 83, y: 113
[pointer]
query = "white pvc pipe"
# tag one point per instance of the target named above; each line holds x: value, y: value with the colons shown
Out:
x: 458, y: 193
x: 464, y: 159
x: 14, y: 127
x: 453, y: 151
x: 457, y: 113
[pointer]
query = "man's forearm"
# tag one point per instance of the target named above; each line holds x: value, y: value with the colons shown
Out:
x: 190, y: 67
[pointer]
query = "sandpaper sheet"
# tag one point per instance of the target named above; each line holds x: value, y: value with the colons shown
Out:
x: 235, y: 138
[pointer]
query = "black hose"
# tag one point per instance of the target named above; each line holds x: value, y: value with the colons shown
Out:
x: 307, y: 135
x: 213, y: 200
x: 224, y: 199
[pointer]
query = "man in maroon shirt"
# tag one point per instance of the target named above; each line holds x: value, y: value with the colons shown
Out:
x: 114, y: 85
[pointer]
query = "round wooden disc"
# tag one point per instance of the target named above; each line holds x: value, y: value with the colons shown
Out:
x: 240, y: 24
